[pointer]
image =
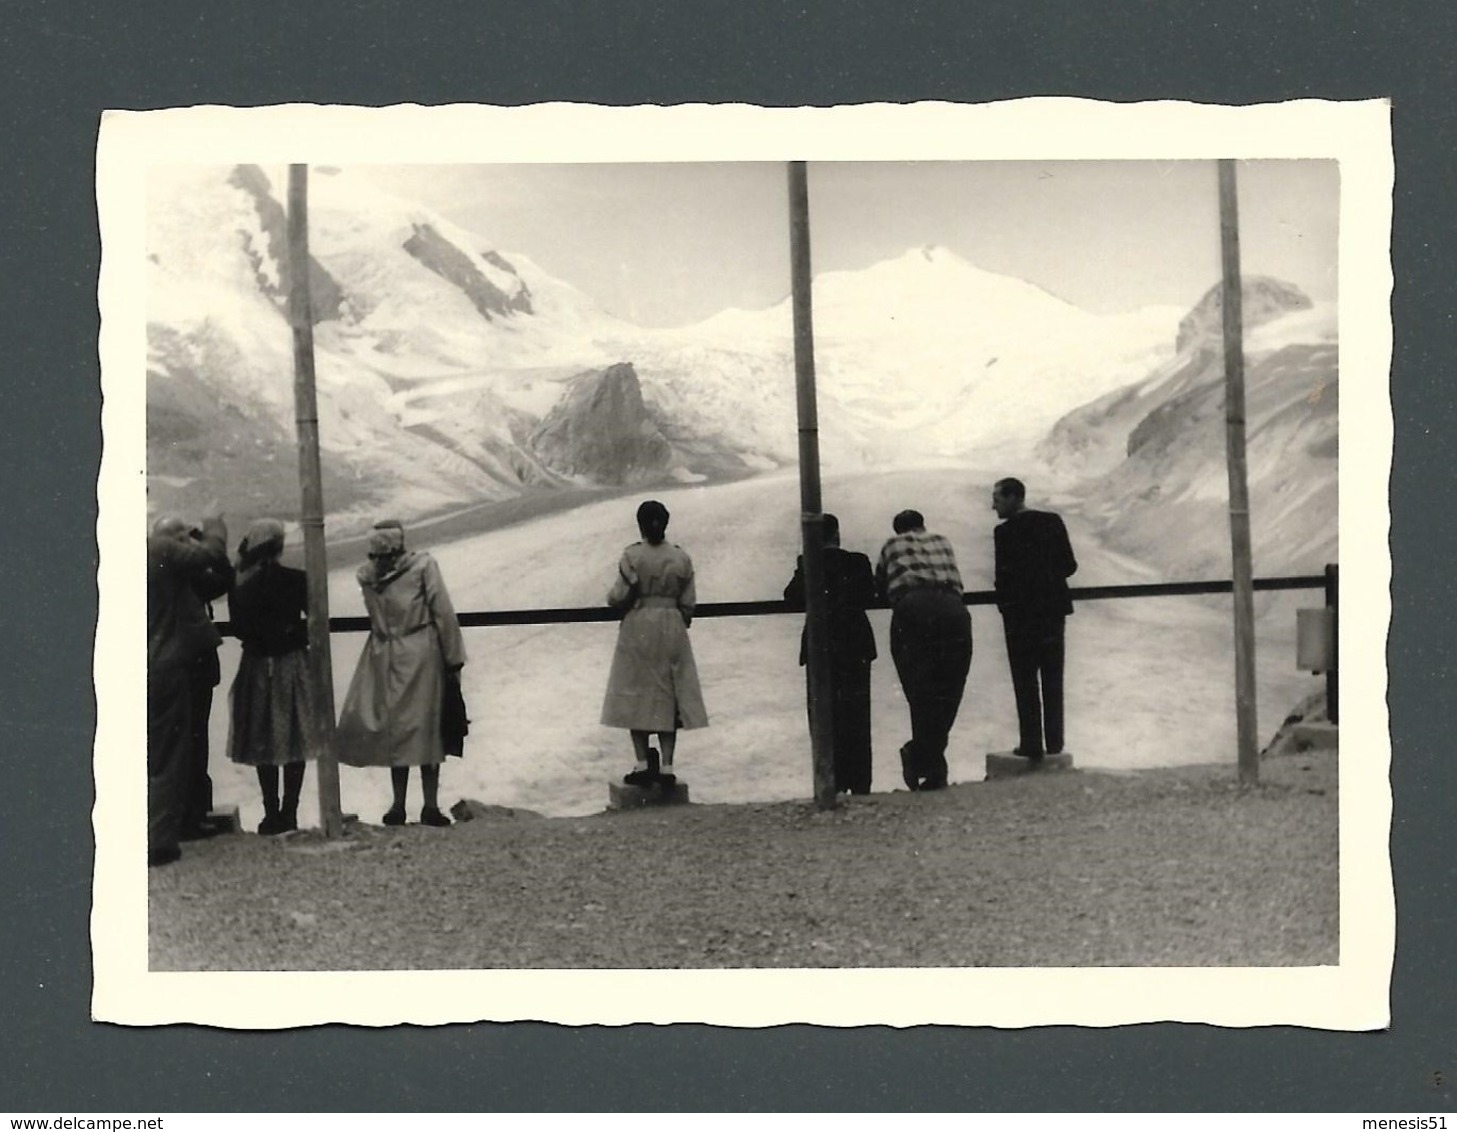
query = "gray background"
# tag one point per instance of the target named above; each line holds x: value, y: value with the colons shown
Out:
x: 60, y: 67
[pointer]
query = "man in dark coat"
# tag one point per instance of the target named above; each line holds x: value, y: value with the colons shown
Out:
x: 849, y: 592
x: 210, y: 583
x: 180, y: 635
x: 1034, y: 560
x: 930, y: 641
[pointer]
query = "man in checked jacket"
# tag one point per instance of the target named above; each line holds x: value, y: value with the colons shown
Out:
x: 930, y: 641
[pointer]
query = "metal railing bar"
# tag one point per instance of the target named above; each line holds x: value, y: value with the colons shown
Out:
x: 565, y: 616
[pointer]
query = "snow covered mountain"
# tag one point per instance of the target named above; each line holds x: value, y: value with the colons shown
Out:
x: 1151, y: 456
x: 451, y: 372
x: 436, y: 355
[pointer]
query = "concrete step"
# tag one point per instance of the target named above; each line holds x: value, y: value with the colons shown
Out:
x: 621, y: 796
x: 1005, y: 764
x: 225, y: 817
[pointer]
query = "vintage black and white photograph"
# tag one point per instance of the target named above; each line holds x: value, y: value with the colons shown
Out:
x: 877, y: 572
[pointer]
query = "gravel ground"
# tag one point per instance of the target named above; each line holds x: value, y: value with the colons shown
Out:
x: 1171, y: 867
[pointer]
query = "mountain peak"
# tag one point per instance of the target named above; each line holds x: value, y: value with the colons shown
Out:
x: 602, y: 430
x: 1263, y: 299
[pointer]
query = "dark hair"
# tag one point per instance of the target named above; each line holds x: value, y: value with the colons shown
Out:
x: 908, y: 521
x: 1010, y: 486
x: 831, y: 528
x: 652, y: 513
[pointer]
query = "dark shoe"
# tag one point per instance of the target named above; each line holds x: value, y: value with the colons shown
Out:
x: 642, y: 778
x: 270, y: 825
x: 908, y: 769
x: 667, y: 780
x: 163, y: 856
x: 430, y: 815
x: 1033, y: 757
x: 394, y: 816
x: 933, y: 784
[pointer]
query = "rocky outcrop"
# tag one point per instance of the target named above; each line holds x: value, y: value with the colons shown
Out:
x: 453, y: 265
x: 602, y: 431
x: 1152, y: 455
x: 325, y: 293
x: 1263, y: 299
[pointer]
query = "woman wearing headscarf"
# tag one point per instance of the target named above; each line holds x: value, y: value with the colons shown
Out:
x: 272, y: 699
x: 392, y: 715
x: 653, y: 685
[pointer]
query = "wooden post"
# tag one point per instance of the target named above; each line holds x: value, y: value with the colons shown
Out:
x: 1239, y: 492
x: 311, y: 493
x: 1333, y: 673
x: 812, y: 519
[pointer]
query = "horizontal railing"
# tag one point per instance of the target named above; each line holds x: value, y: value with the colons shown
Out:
x: 482, y: 619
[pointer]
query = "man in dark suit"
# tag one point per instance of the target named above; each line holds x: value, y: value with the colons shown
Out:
x: 1034, y: 560
x: 210, y: 583
x: 180, y: 636
x: 849, y: 592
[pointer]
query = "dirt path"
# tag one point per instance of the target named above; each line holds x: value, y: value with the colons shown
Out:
x: 1167, y: 867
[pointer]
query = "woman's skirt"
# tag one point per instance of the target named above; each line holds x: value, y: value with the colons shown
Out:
x: 653, y: 685
x: 272, y: 704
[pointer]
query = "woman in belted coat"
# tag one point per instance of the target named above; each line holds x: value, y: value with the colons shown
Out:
x: 392, y: 714
x: 653, y: 685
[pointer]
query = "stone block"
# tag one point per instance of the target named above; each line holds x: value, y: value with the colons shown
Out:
x: 225, y: 818
x: 621, y: 796
x: 1004, y: 764
x: 468, y: 809
x: 1318, y: 735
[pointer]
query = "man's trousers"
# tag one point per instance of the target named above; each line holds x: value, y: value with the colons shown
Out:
x: 850, y: 714
x: 1035, y: 653
x: 930, y: 643
x: 169, y: 755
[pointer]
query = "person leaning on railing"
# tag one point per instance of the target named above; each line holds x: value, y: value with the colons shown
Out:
x: 849, y: 592
x: 653, y: 684
x: 1034, y: 560
x: 930, y: 641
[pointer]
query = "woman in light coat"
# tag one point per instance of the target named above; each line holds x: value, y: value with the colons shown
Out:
x: 653, y: 685
x: 392, y: 714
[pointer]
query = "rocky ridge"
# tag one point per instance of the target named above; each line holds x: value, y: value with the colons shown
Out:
x: 1150, y: 459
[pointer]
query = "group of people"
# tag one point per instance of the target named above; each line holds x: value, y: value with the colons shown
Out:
x: 930, y: 634
x: 653, y: 689
x: 404, y: 707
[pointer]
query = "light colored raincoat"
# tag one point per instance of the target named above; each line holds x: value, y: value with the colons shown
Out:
x: 391, y: 715
x: 653, y: 685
